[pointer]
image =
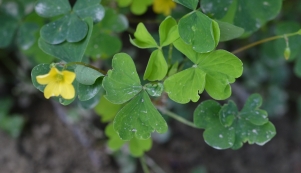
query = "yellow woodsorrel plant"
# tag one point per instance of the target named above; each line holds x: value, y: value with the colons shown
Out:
x: 132, y: 105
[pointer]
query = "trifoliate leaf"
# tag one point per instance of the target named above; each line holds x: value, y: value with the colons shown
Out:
x: 89, y: 8
x: 8, y: 28
x: 240, y: 11
x: 26, y: 35
x: 154, y: 90
x: 213, y: 71
x: 114, y: 141
x: 86, y: 75
x: 185, y: 85
x: 87, y: 92
x: 51, y: 8
x: 191, y: 4
x: 138, y: 147
x: 229, y: 31
x: 200, y: 31
x: 113, y: 21
x: 69, y: 52
x: 69, y: 27
x: 156, y: 67
x: 168, y: 31
x: 91, y: 103
x: 122, y: 82
x: 107, y: 110
x: 226, y: 127
x: 14, y: 9
x: 139, y: 118
x: 143, y: 38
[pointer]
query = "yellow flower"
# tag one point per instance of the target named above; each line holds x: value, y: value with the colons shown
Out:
x: 58, y: 83
x: 163, y: 6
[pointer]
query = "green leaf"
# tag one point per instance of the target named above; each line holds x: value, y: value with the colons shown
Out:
x: 139, y: 118
x: 168, y: 31
x: 156, y: 67
x: 13, y: 125
x: 5, y: 106
x: 191, y: 4
x: 114, y: 21
x: 240, y: 11
x: 107, y: 110
x: 143, y: 38
x: 69, y: 52
x: 124, y: 3
x: 8, y: 28
x: 40, y: 69
x: 154, y: 90
x: 51, y: 8
x: 200, y: 31
x: 114, y: 141
x: 122, y: 82
x: 69, y: 28
x: 14, y: 9
x: 229, y: 31
x: 213, y: 71
x: 26, y: 35
x: 91, y: 103
x: 89, y: 8
x: 87, y: 92
x: 226, y: 127
x: 86, y: 75
x: 139, y: 7
x: 185, y: 85
x: 138, y: 147
x: 103, y: 45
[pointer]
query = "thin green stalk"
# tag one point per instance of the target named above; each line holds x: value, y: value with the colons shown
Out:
x: 170, y: 54
x: 179, y: 118
x: 143, y: 164
x: 263, y: 41
x: 87, y: 65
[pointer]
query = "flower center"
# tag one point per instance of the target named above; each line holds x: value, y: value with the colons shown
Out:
x: 59, y: 78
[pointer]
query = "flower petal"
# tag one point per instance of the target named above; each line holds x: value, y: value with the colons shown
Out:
x: 52, y: 89
x: 49, y: 77
x: 67, y: 91
x: 68, y: 77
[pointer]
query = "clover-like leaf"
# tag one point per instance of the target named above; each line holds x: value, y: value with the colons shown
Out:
x: 86, y: 75
x: 143, y: 39
x: 185, y: 85
x: 26, y: 35
x: 154, y: 90
x: 226, y: 127
x: 69, y: 52
x: 89, y: 8
x: 139, y: 118
x: 87, y: 92
x: 69, y: 27
x: 138, y: 7
x: 114, y: 21
x: 90, y: 103
x: 122, y: 82
x: 191, y: 4
x: 8, y: 28
x: 200, y: 31
x: 51, y: 8
x: 168, y: 31
x: 107, y: 110
x: 156, y: 67
x: 240, y: 11
x: 229, y: 31
x: 213, y: 71
x: 137, y: 147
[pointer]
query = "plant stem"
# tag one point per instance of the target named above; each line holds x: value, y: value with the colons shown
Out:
x: 170, y: 54
x: 143, y: 164
x: 263, y: 41
x: 86, y: 65
x: 179, y: 118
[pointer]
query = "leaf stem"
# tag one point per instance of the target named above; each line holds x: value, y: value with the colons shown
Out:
x: 143, y: 164
x: 178, y: 117
x: 87, y: 65
x: 170, y: 54
x: 263, y: 41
